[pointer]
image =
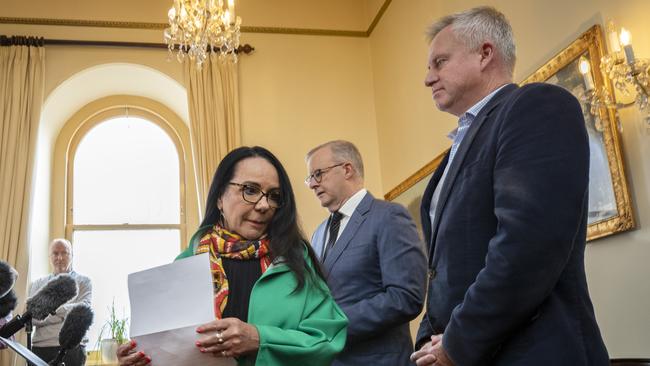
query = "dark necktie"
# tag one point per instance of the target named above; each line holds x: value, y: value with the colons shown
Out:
x: 335, y: 223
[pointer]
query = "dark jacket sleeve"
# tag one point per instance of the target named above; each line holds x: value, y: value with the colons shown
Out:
x: 424, y: 332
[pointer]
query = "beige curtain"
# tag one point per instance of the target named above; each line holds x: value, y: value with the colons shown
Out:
x: 213, y: 98
x: 22, y: 65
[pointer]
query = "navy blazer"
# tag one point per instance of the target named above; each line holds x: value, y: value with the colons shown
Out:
x: 506, y: 250
x: 377, y: 274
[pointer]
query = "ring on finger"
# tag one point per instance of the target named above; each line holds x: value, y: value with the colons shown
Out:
x: 219, y: 337
x: 223, y: 353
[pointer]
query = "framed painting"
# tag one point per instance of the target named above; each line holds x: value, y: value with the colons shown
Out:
x: 409, y: 192
x: 610, y: 208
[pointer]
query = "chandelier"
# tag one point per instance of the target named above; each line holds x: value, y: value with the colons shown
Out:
x: 197, y: 27
x: 629, y: 75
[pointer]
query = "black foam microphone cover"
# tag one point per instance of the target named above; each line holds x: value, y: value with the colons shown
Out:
x: 7, y: 278
x: 45, y: 302
x: 74, y: 327
x: 54, y: 294
x: 8, y: 303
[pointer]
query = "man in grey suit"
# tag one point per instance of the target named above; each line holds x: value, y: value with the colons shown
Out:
x: 372, y: 258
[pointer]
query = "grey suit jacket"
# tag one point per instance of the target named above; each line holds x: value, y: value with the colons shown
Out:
x: 377, y: 274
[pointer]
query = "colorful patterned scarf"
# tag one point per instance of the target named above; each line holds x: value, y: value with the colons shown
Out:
x: 221, y: 243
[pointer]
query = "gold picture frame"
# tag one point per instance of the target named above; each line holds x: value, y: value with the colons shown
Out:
x: 610, y: 208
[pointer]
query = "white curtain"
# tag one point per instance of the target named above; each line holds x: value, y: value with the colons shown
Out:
x: 213, y: 98
x: 22, y: 67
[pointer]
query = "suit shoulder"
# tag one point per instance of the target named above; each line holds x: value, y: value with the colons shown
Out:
x: 535, y: 89
x: 388, y: 209
x: 542, y: 96
x: 385, y: 205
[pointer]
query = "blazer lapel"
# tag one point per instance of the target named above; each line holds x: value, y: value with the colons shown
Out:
x: 464, y: 147
x: 318, y: 239
x: 357, y: 218
x: 425, y: 205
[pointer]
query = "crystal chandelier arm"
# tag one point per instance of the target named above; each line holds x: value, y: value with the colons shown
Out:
x: 640, y: 85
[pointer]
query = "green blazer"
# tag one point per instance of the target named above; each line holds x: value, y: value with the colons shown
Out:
x: 299, y: 328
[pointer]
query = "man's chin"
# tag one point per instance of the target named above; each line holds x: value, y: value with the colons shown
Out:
x: 442, y: 107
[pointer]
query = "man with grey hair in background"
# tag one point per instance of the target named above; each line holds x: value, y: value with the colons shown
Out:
x: 372, y: 258
x: 46, y: 332
x: 505, y: 214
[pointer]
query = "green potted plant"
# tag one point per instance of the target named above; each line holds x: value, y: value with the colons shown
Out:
x: 115, y: 328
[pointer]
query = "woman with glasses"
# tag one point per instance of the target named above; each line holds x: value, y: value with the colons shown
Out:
x: 270, y: 300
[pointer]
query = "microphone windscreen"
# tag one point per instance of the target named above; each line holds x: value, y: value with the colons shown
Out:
x: 8, y: 303
x: 7, y: 278
x: 54, y: 294
x: 75, y: 326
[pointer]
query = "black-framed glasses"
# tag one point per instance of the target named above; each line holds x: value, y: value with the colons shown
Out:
x: 317, y: 175
x: 253, y: 195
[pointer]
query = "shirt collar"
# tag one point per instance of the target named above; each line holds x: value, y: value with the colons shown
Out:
x: 351, y: 204
x: 467, y: 117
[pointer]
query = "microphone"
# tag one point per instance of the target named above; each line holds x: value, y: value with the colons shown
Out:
x: 8, y: 303
x: 54, y: 294
x: 72, y: 331
x: 7, y: 278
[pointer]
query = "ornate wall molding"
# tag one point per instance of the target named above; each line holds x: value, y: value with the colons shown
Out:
x: 161, y: 26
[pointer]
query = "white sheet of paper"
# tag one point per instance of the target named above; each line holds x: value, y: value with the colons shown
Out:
x: 167, y: 304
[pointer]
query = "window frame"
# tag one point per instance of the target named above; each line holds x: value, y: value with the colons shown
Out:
x: 77, y: 124
x: 83, y: 130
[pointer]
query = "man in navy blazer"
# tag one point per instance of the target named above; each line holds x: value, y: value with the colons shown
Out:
x: 372, y: 258
x: 505, y: 214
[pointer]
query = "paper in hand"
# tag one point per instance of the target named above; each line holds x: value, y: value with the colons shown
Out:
x: 168, y: 303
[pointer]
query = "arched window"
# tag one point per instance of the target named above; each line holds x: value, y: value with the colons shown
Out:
x: 125, y: 211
